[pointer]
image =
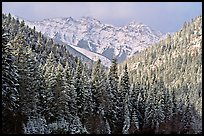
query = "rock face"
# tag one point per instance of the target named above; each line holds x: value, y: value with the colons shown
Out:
x: 90, y: 34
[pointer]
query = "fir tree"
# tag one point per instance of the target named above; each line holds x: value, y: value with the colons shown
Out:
x: 113, y: 96
x: 124, y: 109
x: 49, y: 94
x: 59, y: 91
x: 97, y: 87
x: 69, y: 91
x: 78, y: 86
x: 10, y: 92
x: 187, y: 118
x: 23, y: 63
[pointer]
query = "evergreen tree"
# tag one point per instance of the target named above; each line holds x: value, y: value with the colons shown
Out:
x: 70, y: 91
x: 97, y: 87
x: 165, y: 105
x: 59, y: 92
x: 154, y: 114
x: 125, y: 84
x: 10, y: 92
x: 34, y: 83
x: 49, y: 94
x: 134, y: 123
x: 69, y: 97
x: 78, y: 86
x: 98, y: 93
x: 140, y: 105
x: 113, y: 96
x: 24, y: 64
x: 37, y: 125
x: 174, y: 112
x: 44, y: 90
x: 41, y: 91
x: 187, y: 118
x: 126, y: 123
x: 124, y: 109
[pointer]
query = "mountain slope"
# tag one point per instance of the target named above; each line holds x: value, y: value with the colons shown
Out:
x: 177, y: 61
x: 74, y: 52
x: 104, y: 39
x: 93, y: 56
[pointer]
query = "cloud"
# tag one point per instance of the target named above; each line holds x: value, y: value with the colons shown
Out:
x: 110, y: 10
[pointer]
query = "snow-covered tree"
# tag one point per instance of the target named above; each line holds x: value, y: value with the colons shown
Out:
x: 78, y: 86
x: 134, y: 123
x: 126, y: 123
x: 36, y: 125
x: 140, y: 105
x: 112, y: 90
x: 10, y: 92
x: 69, y: 91
x: 124, y: 111
x: 97, y: 87
x: 87, y: 97
x: 34, y: 82
x: 50, y: 83
x: 26, y: 64
x: 59, y: 99
x: 187, y: 118
x: 174, y: 111
x: 45, y: 90
x: 154, y: 114
x: 166, y: 105
x: 125, y: 83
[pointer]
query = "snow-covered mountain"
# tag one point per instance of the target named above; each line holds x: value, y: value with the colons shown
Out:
x: 103, y: 39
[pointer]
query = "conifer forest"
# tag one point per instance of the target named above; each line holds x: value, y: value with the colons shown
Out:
x: 47, y: 90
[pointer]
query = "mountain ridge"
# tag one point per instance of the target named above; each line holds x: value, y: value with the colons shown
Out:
x: 100, y: 38
x: 119, y: 42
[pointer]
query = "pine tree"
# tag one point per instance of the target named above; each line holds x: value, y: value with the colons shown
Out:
x: 154, y: 114
x: 174, y: 112
x: 41, y: 91
x: 187, y: 118
x: 149, y: 110
x: 125, y: 88
x: 180, y: 107
x: 10, y: 92
x: 134, y: 95
x: 125, y: 84
x: 59, y: 92
x: 158, y: 116
x: 34, y: 83
x: 36, y: 125
x: 140, y: 105
x: 87, y: 107
x: 113, y: 96
x: 69, y: 102
x: 69, y: 91
x: 97, y: 87
x: 49, y: 94
x: 24, y: 64
x: 134, y: 123
x: 78, y: 86
x: 126, y: 123
x: 98, y: 84
x: 165, y: 105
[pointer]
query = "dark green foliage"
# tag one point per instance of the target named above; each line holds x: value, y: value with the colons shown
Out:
x: 174, y: 63
x: 47, y: 90
x: 113, y: 100
x: 10, y: 94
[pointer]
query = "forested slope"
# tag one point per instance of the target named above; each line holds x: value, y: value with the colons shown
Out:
x: 176, y: 64
x: 45, y: 90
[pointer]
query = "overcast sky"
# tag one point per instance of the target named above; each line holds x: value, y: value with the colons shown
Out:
x: 162, y: 16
